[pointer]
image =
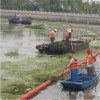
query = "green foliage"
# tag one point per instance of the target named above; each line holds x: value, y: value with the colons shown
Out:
x: 16, y: 89
x: 12, y: 53
x: 40, y: 26
x: 90, y: 35
x: 94, y: 37
x: 52, y: 5
x: 59, y: 45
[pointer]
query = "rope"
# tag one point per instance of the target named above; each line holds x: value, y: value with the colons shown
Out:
x: 84, y: 28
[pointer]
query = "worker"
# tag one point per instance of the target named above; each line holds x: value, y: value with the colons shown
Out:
x: 19, y: 18
x: 29, y: 16
x: 52, y: 35
x: 68, y: 36
x: 89, y: 62
x: 73, y: 64
x: 14, y: 18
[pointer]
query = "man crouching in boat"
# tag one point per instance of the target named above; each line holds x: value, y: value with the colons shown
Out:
x: 90, y: 59
x: 74, y: 68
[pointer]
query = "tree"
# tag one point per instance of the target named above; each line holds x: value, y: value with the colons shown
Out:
x: 52, y: 5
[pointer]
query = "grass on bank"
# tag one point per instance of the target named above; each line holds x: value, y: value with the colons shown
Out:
x: 12, y: 53
x: 40, y: 26
x: 5, y: 17
x: 94, y: 37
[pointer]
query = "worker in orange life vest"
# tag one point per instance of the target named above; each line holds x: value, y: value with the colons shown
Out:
x: 90, y: 59
x: 29, y: 16
x: 52, y: 36
x: 74, y: 68
x: 68, y: 36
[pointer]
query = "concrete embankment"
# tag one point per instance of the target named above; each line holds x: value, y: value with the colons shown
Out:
x: 57, y: 16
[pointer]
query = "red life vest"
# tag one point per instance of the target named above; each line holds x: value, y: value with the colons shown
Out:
x: 68, y: 34
x: 74, y: 65
x: 90, y: 58
x: 52, y: 36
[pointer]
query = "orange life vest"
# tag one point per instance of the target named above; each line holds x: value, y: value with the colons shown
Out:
x: 89, y: 58
x: 74, y: 65
x: 52, y: 36
x: 68, y: 34
x: 28, y: 16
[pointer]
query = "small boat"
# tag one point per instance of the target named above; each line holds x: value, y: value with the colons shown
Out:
x: 12, y: 21
x: 22, y: 21
x: 26, y: 21
x: 60, y: 47
x: 83, y: 83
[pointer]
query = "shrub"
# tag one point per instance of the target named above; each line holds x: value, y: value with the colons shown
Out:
x: 40, y: 26
x: 12, y: 53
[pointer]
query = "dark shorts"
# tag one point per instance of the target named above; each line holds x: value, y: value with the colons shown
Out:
x: 90, y: 71
x: 67, y: 42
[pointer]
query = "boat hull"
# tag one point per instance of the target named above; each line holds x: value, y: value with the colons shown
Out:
x: 88, y: 83
x: 60, y: 47
x: 23, y: 21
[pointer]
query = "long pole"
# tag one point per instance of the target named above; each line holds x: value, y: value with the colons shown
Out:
x: 65, y: 67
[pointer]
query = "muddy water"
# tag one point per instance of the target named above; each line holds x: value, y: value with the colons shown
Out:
x: 16, y: 37
x: 54, y: 92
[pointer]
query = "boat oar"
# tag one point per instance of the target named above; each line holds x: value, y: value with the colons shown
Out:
x: 62, y: 78
x: 73, y: 51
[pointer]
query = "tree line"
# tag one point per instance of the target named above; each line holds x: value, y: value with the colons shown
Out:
x: 73, y: 6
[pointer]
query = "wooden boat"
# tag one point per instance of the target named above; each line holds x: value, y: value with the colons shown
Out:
x: 60, y: 47
x: 83, y: 83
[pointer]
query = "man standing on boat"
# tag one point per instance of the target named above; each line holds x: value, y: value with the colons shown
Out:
x: 29, y: 16
x: 74, y: 68
x: 90, y: 59
x: 52, y: 35
x: 14, y: 18
x: 68, y: 37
